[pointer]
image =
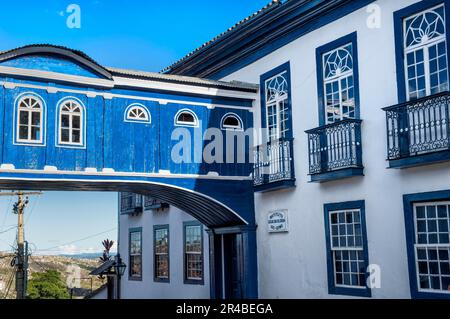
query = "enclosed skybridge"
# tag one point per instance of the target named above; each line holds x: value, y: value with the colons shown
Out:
x: 69, y: 123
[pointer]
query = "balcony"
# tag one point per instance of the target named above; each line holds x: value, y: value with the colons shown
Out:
x: 273, y: 166
x: 418, y: 132
x: 335, y: 151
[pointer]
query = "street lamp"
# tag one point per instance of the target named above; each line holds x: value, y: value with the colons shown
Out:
x: 119, y: 269
x: 119, y: 266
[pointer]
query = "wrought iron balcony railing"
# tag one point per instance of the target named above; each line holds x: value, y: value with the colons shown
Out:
x: 333, y: 148
x: 273, y: 162
x: 418, y: 128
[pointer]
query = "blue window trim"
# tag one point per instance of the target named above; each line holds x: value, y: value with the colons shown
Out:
x: 155, y: 278
x: 186, y: 280
x: 320, y: 51
x: 399, y: 16
x: 332, y: 289
x: 43, y: 124
x: 83, y: 121
x: 134, y: 230
x: 282, y: 68
x: 408, y: 202
x: 127, y: 119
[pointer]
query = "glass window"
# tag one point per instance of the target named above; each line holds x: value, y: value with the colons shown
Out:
x: 71, y: 123
x: 161, y: 253
x: 186, y: 118
x: 193, y: 250
x: 135, y: 254
x: 425, y: 52
x: 338, y: 84
x: 29, y: 120
x: 137, y: 113
x: 277, y: 106
x: 231, y: 122
x: 432, y: 246
x: 126, y: 201
x: 347, y: 249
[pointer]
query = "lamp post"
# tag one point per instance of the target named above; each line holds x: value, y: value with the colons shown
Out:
x: 119, y: 270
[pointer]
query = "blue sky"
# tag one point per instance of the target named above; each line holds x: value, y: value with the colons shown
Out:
x: 145, y: 35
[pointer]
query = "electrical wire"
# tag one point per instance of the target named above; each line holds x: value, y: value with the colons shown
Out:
x: 9, y: 229
x: 35, y: 203
x: 6, y: 213
x: 39, y: 264
x: 78, y: 240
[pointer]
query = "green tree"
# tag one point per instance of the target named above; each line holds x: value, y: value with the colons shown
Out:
x: 47, y: 285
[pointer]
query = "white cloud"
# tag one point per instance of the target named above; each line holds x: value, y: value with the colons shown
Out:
x: 75, y: 250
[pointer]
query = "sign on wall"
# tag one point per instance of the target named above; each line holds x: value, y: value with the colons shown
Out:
x: 277, y: 221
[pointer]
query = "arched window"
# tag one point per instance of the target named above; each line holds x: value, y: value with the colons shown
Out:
x: 30, y: 120
x: 71, y: 123
x: 231, y: 121
x: 137, y: 113
x: 277, y: 106
x: 186, y: 118
x: 425, y: 52
x: 339, y: 87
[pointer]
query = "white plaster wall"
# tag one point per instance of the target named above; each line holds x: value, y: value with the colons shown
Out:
x: 147, y: 288
x: 293, y: 265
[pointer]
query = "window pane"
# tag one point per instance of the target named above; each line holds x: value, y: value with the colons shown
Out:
x: 162, y: 266
x: 432, y: 261
x: 24, y: 117
x: 135, y: 243
x: 136, y: 266
x: 35, y: 133
x: 76, y: 136
x: 65, y: 120
x: 349, y: 263
x: 23, y: 132
x: 65, y: 135
x: 36, y: 118
x: 76, y: 121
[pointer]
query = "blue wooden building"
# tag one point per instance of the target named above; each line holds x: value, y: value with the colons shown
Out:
x: 69, y: 123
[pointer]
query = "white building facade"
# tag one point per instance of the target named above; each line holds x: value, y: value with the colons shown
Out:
x: 165, y: 250
x: 352, y: 171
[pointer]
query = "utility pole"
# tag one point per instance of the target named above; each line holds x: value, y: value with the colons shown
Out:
x: 21, y: 260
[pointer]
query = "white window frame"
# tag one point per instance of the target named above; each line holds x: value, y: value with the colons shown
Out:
x: 342, y: 249
x: 425, y: 48
x: 140, y: 107
x: 338, y: 77
x: 281, y: 104
x: 71, y: 115
x: 184, y: 123
x: 427, y: 246
x: 239, y: 127
x: 30, y: 111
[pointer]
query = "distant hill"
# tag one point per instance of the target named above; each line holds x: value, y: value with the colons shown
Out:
x: 59, y: 263
x: 83, y: 256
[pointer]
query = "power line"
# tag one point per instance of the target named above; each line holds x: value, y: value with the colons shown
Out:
x: 32, y: 209
x: 6, y: 212
x: 9, y: 229
x: 78, y: 240
x: 39, y: 264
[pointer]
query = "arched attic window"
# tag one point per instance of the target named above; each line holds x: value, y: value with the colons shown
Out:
x: 186, y: 117
x: 137, y: 113
x: 231, y: 122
